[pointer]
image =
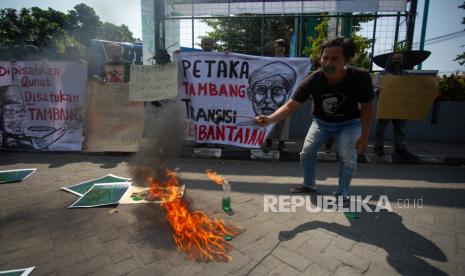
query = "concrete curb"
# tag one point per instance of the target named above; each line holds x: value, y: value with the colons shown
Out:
x: 292, y: 156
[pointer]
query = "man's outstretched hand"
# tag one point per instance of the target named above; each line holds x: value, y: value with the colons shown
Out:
x: 362, y: 144
x: 262, y: 120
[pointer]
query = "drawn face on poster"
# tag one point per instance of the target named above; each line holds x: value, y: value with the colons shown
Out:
x: 270, y: 87
x: 13, y: 110
x: 114, y: 73
x: 13, y: 123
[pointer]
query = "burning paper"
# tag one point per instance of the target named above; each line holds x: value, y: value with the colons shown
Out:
x: 201, y: 238
x: 137, y: 195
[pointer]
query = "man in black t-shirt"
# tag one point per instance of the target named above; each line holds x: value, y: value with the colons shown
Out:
x: 342, y: 97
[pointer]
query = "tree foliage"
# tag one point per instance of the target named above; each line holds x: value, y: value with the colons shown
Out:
x: 243, y: 34
x: 461, y: 58
x: 53, y: 32
x: 361, y: 59
x: 452, y: 88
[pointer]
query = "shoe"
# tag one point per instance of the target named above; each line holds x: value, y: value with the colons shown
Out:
x: 362, y: 158
x: 282, y: 147
x: 345, y: 200
x: 302, y: 189
x: 267, y: 146
x: 379, y: 151
x: 406, y: 157
x: 269, y: 143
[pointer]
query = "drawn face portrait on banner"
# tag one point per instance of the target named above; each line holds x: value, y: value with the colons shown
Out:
x: 270, y: 87
x: 12, y: 110
x: 331, y: 102
x: 13, y: 123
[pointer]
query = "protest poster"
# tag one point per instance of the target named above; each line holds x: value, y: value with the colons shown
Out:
x: 18, y: 272
x: 153, y: 82
x: 138, y: 195
x: 113, y: 123
x: 42, y: 105
x: 101, y: 195
x: 114, y: 73
x: 8, y: 176
x: 81, y: 188
x: 406, y: 97
x: 221, y: 94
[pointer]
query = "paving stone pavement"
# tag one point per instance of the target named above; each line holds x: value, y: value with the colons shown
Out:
x: 37, y: 228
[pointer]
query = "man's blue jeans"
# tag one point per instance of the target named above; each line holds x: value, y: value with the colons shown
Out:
x: 347, y: 133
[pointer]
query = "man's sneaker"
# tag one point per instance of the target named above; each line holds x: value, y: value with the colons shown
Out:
x: 303, y: 189
x: 404, y: 156
x: 345, y: 200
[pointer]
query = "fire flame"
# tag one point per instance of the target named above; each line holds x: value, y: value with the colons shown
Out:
x: 201, y: 238
x: 218, y: 179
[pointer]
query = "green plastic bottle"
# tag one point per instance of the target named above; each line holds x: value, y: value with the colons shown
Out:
x: 226, y: 201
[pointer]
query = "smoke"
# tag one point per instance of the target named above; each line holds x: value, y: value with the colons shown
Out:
x: 162, y: 141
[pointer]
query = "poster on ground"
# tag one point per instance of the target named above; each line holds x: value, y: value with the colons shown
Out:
x: 153, y: 82
x: 81, y: 188
x: 222, y: 93
x: 113, y: 123
x: 102, y: 195
x: 406, y: 97
x: 42, y: 105
x: 17, y: 272
x: 8, y: 176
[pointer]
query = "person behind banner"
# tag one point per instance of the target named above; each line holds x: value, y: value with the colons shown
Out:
x: 207, y: 44
x: 281, y: 130
x: 337, y: 91
x: 116, y: 69
x: 13, y: 116
x: 394, y: 66
x: 161, y: 57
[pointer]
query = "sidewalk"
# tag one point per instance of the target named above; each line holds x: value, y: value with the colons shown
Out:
x: 37, y: 229
x: 428, y: 153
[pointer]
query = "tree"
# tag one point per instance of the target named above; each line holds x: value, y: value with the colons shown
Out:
x: 243, y: 34
x: 112, y: 32
x: 85, y: 23
x: 461, y: 58
x: 361, y: 59
x: 321, y: 33
x: 44, y: 29
x: 53, y: 32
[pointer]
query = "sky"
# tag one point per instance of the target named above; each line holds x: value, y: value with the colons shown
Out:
x: 444, y: 17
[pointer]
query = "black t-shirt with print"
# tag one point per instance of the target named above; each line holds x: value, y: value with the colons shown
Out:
x: 336, y: 102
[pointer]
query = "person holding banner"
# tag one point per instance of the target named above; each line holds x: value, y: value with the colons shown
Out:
x: 207, y: 44
x: 116, y: 69
x: 342, y: 96
x: 394, y: 66
x: 281, y: 130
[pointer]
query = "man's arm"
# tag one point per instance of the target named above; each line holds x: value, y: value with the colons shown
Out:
x: 365, y: 114
x: 280, y: 114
